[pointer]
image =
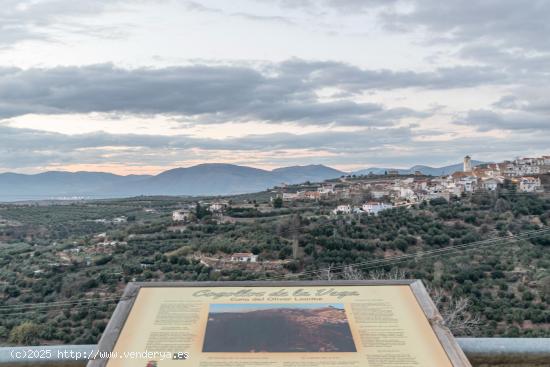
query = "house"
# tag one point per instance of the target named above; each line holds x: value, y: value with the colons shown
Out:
x: 469, y: 183
x: 490, y: 184
x: 288, y: 196
x: 421, y: 184
x: 217, y: 206
x: 312, y: 195
x: 375, y: 207
x: 342, y: 209
x: 529, y: 184
x: 377, y: 194
x: 489, y: 170
x: 182, y: 215
x: 119, y: 220
x: 406, y: 193
x: 326, y: 190
x: 243, y: 257
x: 343, y: 193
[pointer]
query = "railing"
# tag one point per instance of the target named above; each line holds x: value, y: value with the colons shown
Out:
x: 509, y: 352
x: 482, y: 352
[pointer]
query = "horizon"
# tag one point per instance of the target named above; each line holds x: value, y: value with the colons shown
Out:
x: 106, y: 86
x: 239, y: 165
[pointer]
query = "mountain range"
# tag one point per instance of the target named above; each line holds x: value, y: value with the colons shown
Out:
x: 426, y: 170
x: 203, y: 179
x: 199, y: 180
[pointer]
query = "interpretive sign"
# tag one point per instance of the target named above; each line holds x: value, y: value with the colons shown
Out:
x: 278, y: 324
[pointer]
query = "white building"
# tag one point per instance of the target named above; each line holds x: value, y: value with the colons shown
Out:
x: 181, y: 215
x: 343, y: 209
x: 377, y: 194
x: 490, y: 184
x: 374, y: 207
x: 526, y: 166
x: 288, y: 196
x: 243, y: 257
x: 217, y: 206
x: 529, y: 184
x: 468, y: 183
x: 326, y: 190
x: 406, y: 193
x: 119, y: 220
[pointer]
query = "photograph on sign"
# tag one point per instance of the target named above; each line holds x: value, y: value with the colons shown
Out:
x: 292, y: 328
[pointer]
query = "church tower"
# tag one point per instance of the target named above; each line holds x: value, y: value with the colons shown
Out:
x: 467, y: 164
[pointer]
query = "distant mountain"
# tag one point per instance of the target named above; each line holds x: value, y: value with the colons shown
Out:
x: 200, y: 180
x: 203, y: 179
x: 55, y: 184
x: 426, y: 170
x: 313, y: 173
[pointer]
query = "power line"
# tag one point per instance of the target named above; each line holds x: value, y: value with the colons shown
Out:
x: 45, y: 306
x: 41, y: 310
x: 58, y: 303
x: 421, y: 254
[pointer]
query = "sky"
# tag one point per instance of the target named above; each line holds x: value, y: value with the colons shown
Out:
x: 142, y: 86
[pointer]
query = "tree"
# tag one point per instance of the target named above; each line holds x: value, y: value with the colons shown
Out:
x: 502, y: 205
x: 278, y: 202
x: 200, y: 211
x: 545, y: 287
x: 25, y: 333
x: 456, y: 312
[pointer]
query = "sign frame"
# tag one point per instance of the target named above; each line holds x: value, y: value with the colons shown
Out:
x: 118, y: 319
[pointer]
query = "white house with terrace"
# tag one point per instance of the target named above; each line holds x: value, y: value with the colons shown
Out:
x: 244, y: 257
x: 343, y: 209
x: 375, y: 207
x: 529, y: 184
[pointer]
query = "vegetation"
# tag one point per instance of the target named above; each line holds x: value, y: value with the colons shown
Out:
x: 73, y: 254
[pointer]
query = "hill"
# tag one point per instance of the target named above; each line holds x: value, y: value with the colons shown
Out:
x: 75, y: 252
x: 203, y: 179
x: 426, y: 170
x: 313, y: 173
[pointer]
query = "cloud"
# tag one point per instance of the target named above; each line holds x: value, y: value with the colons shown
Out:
x: 538, y: 104
x: 280, y: 92
x: 26, y: 149
x: 23, y: 148
x: 24, y: 20
x: 29, y: 139
x: 352, y: 78
x: 197, y: 7
x: 486, y: 120
x: 511, y: 23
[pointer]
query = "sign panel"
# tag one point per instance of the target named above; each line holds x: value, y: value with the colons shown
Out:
x: 284, y: 324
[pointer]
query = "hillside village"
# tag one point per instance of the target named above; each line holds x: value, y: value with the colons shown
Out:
x: 372, y: 194
x: 363, y: 195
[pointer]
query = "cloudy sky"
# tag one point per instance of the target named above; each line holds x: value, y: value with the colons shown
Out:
x: 140, y: 86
